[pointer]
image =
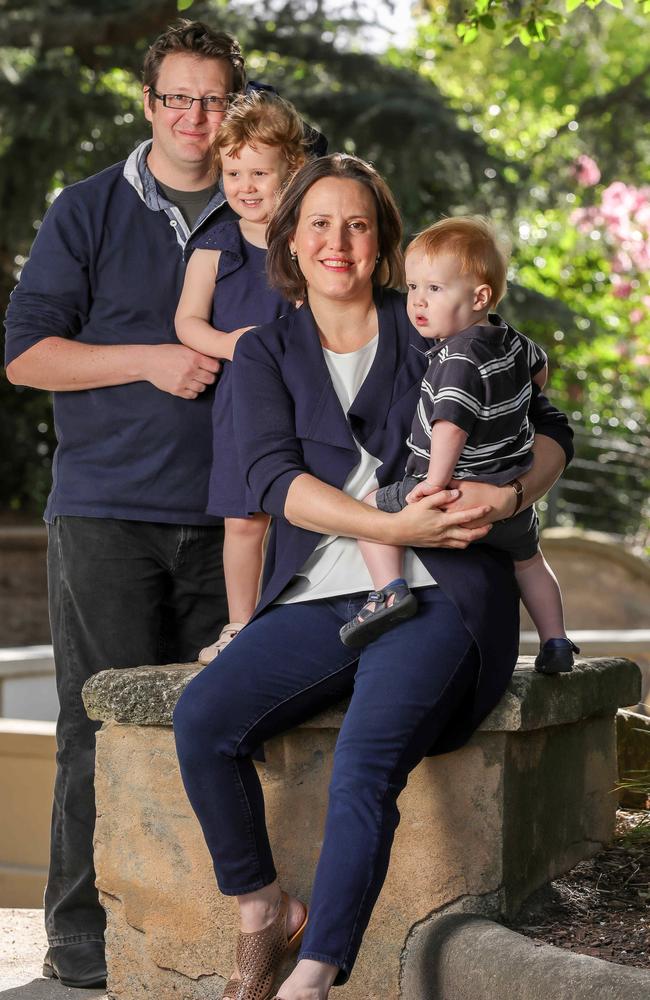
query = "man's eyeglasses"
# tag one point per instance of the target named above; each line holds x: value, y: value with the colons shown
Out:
x: 181, y: 102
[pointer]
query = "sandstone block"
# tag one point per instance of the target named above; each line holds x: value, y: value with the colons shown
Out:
x: 481, y: 828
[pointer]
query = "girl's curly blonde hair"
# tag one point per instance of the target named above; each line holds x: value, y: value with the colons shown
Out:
x: 261, y: 118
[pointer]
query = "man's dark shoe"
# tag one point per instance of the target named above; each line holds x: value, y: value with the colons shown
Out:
x: 82, y: 965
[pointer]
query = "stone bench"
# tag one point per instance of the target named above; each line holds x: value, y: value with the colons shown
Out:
x: 529, y: 796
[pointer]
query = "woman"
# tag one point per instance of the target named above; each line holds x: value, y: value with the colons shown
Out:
x: 323, y: 404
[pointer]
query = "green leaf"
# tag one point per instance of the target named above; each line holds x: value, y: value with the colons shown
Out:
x: 572, y: 5
x: 183, y: 4
x: 554, y: 17
x: 615, y: 3
x: 470, y: 35
x: 488, y: 22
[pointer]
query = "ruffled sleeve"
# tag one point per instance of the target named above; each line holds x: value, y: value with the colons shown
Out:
x: 226, y: 237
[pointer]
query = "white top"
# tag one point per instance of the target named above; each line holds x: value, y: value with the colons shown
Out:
x: 336, y: 566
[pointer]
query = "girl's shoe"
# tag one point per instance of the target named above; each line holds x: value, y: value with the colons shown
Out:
x: 227, y: 634
x: 260, y: 955
x: 377, y: 616
x: 556, y: 656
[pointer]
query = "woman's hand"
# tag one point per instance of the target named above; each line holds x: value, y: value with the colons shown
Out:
x: 501, y: 500
x: 429, y: 524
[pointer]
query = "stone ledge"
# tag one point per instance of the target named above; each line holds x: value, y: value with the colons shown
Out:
x: 146, y: 696
x: 21, y: 537
x: 599, y: 544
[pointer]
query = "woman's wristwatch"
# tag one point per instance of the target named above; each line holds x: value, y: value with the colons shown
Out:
x: 519, y: 494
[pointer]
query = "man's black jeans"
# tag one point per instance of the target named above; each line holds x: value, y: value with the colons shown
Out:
x: 122, y: 594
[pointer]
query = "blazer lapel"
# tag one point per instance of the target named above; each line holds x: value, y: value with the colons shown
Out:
x: 370, y: 408
x: 397, y: 367
x: 319, y: 415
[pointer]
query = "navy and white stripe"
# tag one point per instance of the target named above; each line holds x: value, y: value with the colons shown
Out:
x: 480, y: 380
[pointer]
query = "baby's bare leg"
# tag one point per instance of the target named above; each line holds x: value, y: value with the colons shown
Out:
x: 393, y: 602
x: 542, y: 597
x: 384, y: 562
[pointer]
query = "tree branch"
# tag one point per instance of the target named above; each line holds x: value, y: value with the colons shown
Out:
x: 83, y: 30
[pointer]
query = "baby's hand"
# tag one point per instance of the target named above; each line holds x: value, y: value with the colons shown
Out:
x: 423, y: 489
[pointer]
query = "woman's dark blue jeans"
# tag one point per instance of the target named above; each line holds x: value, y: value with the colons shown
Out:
x: 284, y: 667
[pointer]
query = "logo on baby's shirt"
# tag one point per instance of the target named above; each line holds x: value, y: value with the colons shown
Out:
x: 442, y: 356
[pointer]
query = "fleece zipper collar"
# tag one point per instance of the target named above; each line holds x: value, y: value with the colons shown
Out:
x: 137, y: 174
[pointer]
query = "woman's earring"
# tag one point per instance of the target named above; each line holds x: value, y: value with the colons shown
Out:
x: 377, y: 258
x: 293, y: 255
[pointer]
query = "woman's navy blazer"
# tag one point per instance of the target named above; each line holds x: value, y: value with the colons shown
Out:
x: 288, y: 421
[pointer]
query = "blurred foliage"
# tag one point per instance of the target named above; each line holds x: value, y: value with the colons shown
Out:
x: 528, y: 23
x: 485, y: 127
x: 574, y: 115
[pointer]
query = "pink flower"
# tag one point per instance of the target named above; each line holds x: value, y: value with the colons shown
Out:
x: 637, y: 316
x: 585, y: 170
x: 618, y: 196
x: 621, y: 261
x: 622, y: 289
x: 586, y: 219
x: 623, y: 220
x: 642, y: 217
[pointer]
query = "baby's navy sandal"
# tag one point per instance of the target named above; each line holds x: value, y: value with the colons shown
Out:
x: 556, y: 656
x: 370, y: 623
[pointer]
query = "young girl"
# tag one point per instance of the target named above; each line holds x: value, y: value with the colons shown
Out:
x: 259, y: 146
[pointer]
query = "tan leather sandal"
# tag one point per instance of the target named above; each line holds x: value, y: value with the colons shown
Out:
x: 227, y: 634
x: 260, y: 955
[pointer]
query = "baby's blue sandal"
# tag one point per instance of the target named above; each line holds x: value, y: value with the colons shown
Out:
x: 371, y: 622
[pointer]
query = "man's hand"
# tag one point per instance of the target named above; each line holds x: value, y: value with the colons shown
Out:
x: 179, y: 370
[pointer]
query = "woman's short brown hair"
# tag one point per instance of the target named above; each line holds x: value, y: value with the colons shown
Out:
x: 261, y: 118
x: 283, y: 272
x: 473, y: 241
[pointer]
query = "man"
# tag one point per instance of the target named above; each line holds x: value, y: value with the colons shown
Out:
x: 133, y: 561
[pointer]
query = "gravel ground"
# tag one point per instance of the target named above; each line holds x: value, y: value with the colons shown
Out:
x: 602, y: 906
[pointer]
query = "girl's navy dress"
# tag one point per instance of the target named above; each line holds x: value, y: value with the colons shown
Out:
x: 242, y: 298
